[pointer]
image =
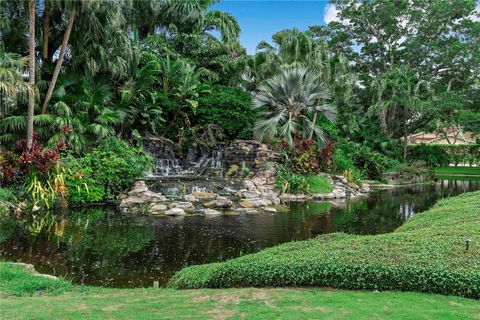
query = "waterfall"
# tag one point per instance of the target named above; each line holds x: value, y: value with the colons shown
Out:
x: 197, y: 161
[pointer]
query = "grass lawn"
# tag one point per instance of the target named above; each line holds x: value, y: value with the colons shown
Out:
x: 426, y: 254
x: 457, y: 170
x: 24, y: 296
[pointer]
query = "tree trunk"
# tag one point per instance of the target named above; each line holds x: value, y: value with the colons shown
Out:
x: 405, y: 135
x: 314, y: 120
x: 31, y: 70
x: 46, y: 30
x: 56, y: 72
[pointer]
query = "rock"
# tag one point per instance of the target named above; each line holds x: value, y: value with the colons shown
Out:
x: 187, y: 206
x: 175, y: 212
x: 157, y: 208
x: 232, y: 170
x: 250, y: 194
x: 31, y: 269
x: 247, y: 210
x: 122, y: 196
x: 253, y: 203
x: 249, y: 185
x: 341, y: 194
x: 209, y: 212
x: 138, y: 187
x: 245, y: 149
x: 353, y: 185
x: 258, y: 181
x: 220, y: 202
x: 204, y: 196
x: 288, y: 196
x: 270, y: 209
x: 190, y: 198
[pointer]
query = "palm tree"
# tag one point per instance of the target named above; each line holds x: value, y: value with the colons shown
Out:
x: 31, y: 70
x: 11, y: 78
x: 287, y: 103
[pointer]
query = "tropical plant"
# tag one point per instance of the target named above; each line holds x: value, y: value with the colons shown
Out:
x: 287, y: 103
x: 12, y: 84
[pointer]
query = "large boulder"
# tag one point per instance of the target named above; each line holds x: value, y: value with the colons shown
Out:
x: 204, y: 196
x: 220, y: 202
x: 186, y: 206
x: 175, y: 212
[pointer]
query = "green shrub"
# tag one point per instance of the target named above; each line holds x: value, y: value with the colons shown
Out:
x: 7, y: 200
x: 290, y: 182
x: 434, y: 155
x: 417, y: 171
x: 443, y: 155
x: 110, y: 169
x: 426, y: 254
x: 319, y: 184
x: 229, y: 108
x: 83, y: 190
x: 354, y: 156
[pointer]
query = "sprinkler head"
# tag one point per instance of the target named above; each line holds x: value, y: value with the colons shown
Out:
x: 467, y: 243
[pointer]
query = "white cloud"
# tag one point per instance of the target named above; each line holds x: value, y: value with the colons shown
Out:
x: 330, y: 14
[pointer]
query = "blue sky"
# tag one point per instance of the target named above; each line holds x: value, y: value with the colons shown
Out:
x: 259, y: 19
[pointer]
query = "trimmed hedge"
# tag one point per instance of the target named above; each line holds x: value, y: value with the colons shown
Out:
x: 437, y: 155
x: 426, y: 254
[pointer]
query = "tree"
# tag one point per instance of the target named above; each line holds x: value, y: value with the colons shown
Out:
x: 287, y: 103
x: 31, y: 71
x: 401, y: 92
x: 63, y: 48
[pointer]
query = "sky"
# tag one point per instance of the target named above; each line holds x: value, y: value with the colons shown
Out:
x: 260, y: 19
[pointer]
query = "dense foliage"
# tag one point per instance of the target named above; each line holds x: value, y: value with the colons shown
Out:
x: 106, y: 171
x: 228, y: 108
x: 426, y: 254
x: 444, y: 155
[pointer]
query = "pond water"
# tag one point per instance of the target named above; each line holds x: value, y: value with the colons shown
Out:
x: 99, y: 246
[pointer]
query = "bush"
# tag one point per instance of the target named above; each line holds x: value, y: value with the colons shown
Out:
x: 7, y: 200
x: 426, y: 254
x: 354, y: 156
x: 434, y: 155
x: 417, y: 171
x: 110, y: 169
x: 290, y: 182
x: 443, y: 155
x: 229, y: 108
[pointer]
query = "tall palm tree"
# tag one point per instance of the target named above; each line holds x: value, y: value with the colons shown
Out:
x: 287, y: 103
x: 31, y: 70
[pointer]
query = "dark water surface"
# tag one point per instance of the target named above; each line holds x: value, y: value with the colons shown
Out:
x: 98, y: 246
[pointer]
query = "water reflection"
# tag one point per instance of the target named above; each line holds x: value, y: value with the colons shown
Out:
x: 101, y: 247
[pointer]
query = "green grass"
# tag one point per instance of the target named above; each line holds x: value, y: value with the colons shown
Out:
x: 53, y: 299
x: 319, y: 184
x: 426, y: 254
x: 457, y: 170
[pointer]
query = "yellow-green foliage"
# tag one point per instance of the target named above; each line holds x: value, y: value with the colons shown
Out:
x: 426, y: 254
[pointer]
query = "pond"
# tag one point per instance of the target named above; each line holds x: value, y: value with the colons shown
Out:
x: 99, y: 246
